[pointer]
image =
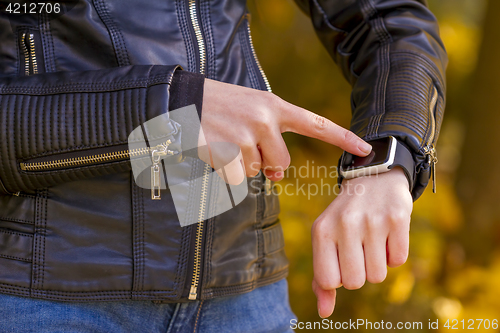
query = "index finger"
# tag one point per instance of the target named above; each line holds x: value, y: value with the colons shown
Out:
x: 301, y: 121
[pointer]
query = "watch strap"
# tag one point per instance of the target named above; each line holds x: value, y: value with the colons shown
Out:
x: 404, y: 159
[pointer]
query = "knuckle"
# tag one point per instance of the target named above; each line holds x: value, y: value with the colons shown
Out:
x: 377, y: 277
x: 320, y: 123
x: 353, y: 284
x: 350, y: 219
x: 319, y: 227
x: 253, y: 169
x: 246, y: 143
x: 328, y: 283
x: 264, y: 123
x: 374, y: 224
x: 398, y: 215
x: 398, y: 259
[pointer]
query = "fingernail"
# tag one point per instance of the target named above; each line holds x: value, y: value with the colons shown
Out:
x: 319, y: 312
x: 365, y: 147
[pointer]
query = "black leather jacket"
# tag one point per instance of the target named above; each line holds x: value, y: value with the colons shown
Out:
x: 76, y: 85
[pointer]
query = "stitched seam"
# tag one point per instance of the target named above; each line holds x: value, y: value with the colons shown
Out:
x: 18, y: 47
x: 97, y: 293
x: 244, y: 41
x: 2, y: 169
x: 134, y: 236
x: 9, y: 219
x: 115, y: 35
x: 90, y: 87
x: 142, y: 240
x: 197, y: 316
x: 17, y: 110
x: 213, y: 65
x: 15, y: 233
x: 44, y: 232
x: 412, y: 54
x: 36, y: 252
x: 209, y: 249
x: 222, y: 291
x: 100, y: 117
x: 48, y: 43
x: 8, y: 145
x: 43, y: 28
x: 369, y: 11
x: 14, y: 258
x: 266, y: 254
x: 84, y: 102
x: 114, y: 131
x: 51, y: 46
x: 205, y: 9
x: 400, y: 122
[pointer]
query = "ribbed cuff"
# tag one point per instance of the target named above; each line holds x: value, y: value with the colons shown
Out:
x: 186, y: 89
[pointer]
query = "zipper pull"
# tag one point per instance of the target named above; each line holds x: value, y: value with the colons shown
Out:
x: 193, y: 293
x: 156, y: 154
x: 432, y: 160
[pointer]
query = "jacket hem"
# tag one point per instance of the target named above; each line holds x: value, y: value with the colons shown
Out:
x: 123, y: 295
x: 214, y: 292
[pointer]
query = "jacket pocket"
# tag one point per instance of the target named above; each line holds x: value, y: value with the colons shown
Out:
x: 31, y: 61
x: 81, y: 158
x: 144, y: 155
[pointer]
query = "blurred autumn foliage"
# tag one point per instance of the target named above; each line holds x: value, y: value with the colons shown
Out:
x: 454, y: 266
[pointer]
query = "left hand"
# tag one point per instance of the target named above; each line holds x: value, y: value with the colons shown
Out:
x: 359, y: 234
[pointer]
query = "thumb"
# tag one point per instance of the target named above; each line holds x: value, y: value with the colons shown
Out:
x: 326, y: 300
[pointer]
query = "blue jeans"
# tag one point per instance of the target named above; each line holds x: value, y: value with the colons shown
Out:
x: 265, y: 309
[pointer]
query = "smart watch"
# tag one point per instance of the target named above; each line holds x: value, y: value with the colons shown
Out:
x: 386, y: 154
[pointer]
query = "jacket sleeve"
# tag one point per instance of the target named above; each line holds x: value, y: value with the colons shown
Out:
x: 75, y: 114
x: 391, y: 53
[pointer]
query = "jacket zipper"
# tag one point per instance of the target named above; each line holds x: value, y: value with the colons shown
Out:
x: 24, y: 48
x: 429, y: 150
x: 28, y: 48
x: 254, y: 54
x: 195, y: 280
x: 50, y: 163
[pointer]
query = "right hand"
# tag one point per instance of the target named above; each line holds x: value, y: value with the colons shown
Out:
x: 254, y: 120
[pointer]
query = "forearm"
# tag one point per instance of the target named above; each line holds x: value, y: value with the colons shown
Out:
x: 391, y: 53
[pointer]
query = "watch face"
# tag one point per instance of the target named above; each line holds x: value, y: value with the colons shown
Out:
x: 379, y: 155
